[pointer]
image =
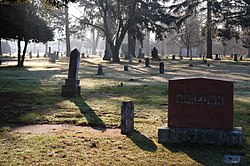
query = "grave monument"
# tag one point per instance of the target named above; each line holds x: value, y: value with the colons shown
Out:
x: 200, y: 110
x: 71, y: 87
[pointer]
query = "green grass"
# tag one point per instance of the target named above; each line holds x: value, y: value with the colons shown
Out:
x: 32, y: 96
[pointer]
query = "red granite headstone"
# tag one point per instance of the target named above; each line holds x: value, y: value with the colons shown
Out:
x: 200, y: 103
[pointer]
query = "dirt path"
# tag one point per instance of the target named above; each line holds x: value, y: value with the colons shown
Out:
x: 67, y: 129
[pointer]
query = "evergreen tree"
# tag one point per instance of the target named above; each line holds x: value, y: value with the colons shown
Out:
x: 231, y: 14
x: 23, y: 24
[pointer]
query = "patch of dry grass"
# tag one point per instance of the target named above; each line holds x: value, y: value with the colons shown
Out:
x: 99, y: 106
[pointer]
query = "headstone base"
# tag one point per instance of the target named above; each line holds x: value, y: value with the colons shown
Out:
x: 71, y: 90
x: 201, y: 136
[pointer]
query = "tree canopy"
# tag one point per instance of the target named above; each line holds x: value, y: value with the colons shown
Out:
x: 20, y: 22
x: 116, y: 18
x: 232, y: 16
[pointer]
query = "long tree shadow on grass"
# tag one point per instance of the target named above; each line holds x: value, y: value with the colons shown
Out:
x: 93, y: 119
x: 22, y: 95
x: 142, y: 141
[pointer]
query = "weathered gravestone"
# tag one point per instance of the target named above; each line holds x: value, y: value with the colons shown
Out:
x: 173, y: 57
x: 235, y: 57
x: 127, y: 117
x: 200, y: 110
x: 57, y: 55
x: 71, y: 87
x: 52, y: 57
x: 161, y: 68
x: 147, y: 62
x: 217, y: 57
x: 125, y: 67
x: 83, y: 55
x: 100, y: 70
x: 154, y: 53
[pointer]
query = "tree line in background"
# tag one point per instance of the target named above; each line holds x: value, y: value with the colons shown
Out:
x: 113, y: 19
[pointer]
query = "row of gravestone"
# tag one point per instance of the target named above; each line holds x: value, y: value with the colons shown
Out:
x: 200, y: 110
x: 126, y: 68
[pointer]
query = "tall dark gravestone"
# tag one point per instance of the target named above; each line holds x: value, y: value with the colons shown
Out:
x: 200, y: 110
x: 125, y: 67
x: 235, y: 57
x: 147, y: 62
x: 161, y: 68
x: 99, y: 70
x: 71, y: 87
x: 127, y: 117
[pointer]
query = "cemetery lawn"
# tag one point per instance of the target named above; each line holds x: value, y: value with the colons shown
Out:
x: 31, y: 96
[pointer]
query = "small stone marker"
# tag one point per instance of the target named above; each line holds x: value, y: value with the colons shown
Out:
x: 147, y: 62
x: 235, y: 57
x: 127, y: 117
x: 52, y: 57
x: 232, y: 159
x: 126, y: 67
x: 100, y: 71
x: 161, y: 68
x: 216, y: 56
x: 71, y: 87
x: 57, y: 55
x: 154, y: 53
x: 200, y: 110
x: 173, y: 57
x: 83, y: 55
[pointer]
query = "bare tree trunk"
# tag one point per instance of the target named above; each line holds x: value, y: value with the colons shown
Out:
x: 24, y: 52
x: 191, y: 54
x: 67, y: 31
x: 146, y: 42
x: 19, y: 52
x: 224, y: 50
x: 131, y: 43
x: 1, y: 51
x: 209, y: 34
x: 116, y: 55
x: 46, y: 49
x: 248, y: 54
x: 187, y: 51
x: 95, y: 39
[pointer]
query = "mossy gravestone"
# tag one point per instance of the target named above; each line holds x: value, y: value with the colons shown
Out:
x: 71, y: 87
x: 200, y: 110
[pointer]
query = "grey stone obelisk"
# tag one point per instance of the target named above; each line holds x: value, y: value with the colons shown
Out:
x: 71, y: 87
